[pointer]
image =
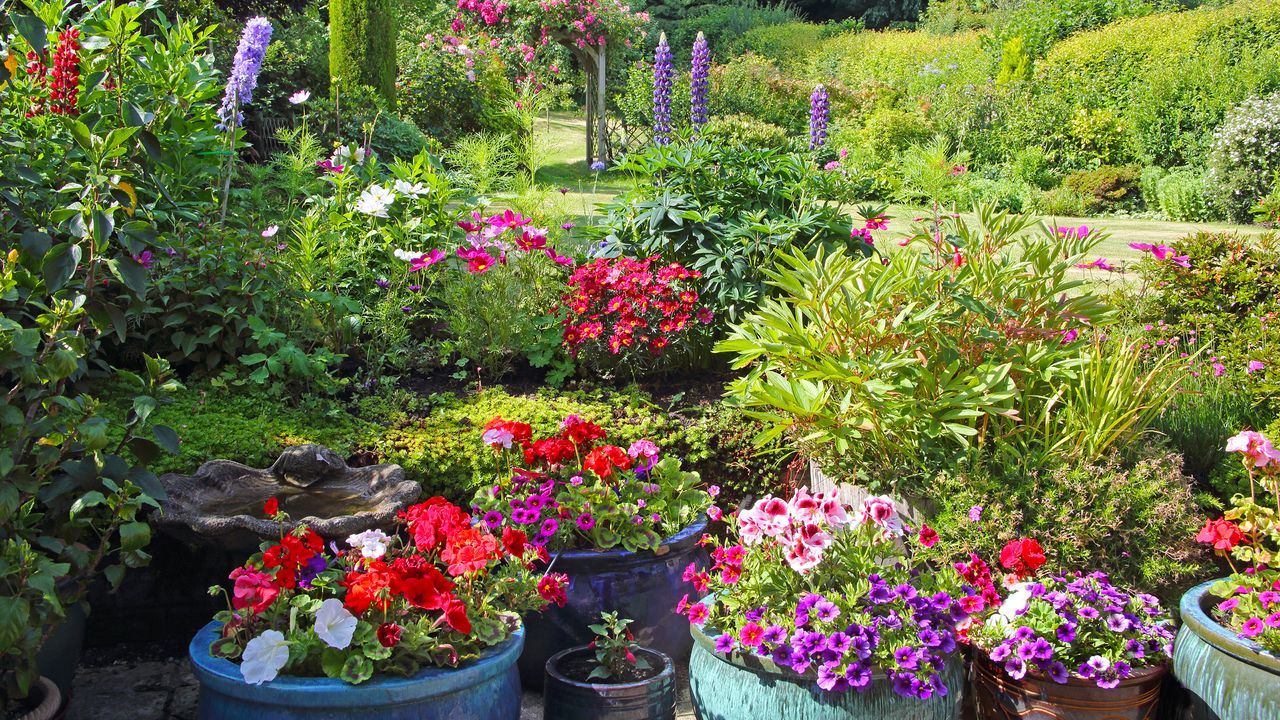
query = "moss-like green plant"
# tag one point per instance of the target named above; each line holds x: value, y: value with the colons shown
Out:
x: 362, y: 47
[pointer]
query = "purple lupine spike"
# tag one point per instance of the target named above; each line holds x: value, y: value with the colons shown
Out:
x: 662, y: 75
x: 244, y: 72
x: 819, y: 112
x: 698, y: 84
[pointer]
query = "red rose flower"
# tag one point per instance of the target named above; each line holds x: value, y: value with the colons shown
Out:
x: 389, y: 634
x: 1022, y: 557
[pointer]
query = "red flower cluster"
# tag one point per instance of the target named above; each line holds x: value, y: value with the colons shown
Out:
x: 63, y: 79
x: 552, y: 588
x: 293, y: 552
x: 432, y: 522
x: 1022, y: 557
x: 620, y: 303
x: 1222, y: 534
x: 604, y: 459
x: 977, y: 573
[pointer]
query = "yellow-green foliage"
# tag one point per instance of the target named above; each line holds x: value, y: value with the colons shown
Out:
x: 914, y: 62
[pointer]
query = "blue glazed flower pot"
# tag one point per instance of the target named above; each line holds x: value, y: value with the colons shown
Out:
x: 487, y: 689
x: 731, y: 689
x: 642, y: 586
x: 1228, y: 678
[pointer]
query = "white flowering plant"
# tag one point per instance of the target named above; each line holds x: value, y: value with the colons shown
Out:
x: 384, y: 604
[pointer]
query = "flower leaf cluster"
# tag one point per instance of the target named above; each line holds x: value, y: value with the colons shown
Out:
x: 573, y: 491
x: 437, y: 597
x: 1077, y: 626
x: 615, y: 649
x: 813, y: 587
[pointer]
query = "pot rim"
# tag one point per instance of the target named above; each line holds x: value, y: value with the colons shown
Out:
x: 552, y: 669
x: 1196, y: 619
x: 224, y: 676
x: 682, y: 540
x: 1140, y: 675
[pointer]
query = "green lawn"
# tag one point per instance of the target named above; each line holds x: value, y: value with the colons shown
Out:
x: 566, y: 167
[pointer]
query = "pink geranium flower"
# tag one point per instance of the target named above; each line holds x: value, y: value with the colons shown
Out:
x: 1255, y: 446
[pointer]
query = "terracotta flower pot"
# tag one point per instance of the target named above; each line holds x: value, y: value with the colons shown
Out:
x: 567, y: 698
x: 999, y: 697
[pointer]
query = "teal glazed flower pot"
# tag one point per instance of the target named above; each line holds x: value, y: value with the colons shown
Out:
x: 1227, y: 677
x: 642, y: 586
x: 487, y: 689
x: 732, y: 689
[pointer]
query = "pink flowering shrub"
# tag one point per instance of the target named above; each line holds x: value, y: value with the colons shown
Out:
x: 624, y: 311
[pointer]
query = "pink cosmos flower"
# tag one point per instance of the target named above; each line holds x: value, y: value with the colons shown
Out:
x: 1081, y: 232
x: 478, y: 261
x: 1256, y: 447
x: 1099, y: 264
x: 1070, y: 336
x: 426, y: 260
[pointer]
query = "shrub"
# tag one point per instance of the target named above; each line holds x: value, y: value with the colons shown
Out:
x: 1134, y: 522
x: 724, y: 24
x: 386, y: 133
x: 362, y: 46
x: 744, y: 130
x: 1061, y: 202
x: 754, y: 86
x: 1182, y: 194
x: 1148, y: 182
x: 297, y: 59
x: 446, y: 97
x: 1041, y: 23
x: 787, y: 44
x: 1245, y: 155
x: 1031, y: 165
x: 1107, y: 188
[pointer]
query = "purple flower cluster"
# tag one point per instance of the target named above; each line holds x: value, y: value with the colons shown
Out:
x: 244, y: 72
x: 698, y: 83
x: 907, y: 633
x: 662, y: 76
x: 537, y: 509
x: 819, y: 113
x: 1134, y: 630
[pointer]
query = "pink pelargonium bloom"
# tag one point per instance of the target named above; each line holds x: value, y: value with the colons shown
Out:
x: 1255, y: 446
x: 802, y: 558
x: 804, y: 507
x: 642, y: 448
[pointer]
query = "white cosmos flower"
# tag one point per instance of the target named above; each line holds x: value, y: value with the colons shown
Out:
x: 372, y: 543
x: 264, y: 656
x: 416, y: 189
x: 405, y: 256
x: 375, y: 200
x: 335, y: 625
x: 300, y: 97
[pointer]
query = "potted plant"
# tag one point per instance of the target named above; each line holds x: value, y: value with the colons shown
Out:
x: 818, y: 609
x: 1065, y: 645
x: 426, y: 626
x: 619, y: 525
x: 612, y: 678
x: 1227, y: 653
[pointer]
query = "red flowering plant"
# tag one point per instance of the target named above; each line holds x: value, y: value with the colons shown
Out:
x: 1063, y: 626
x: 573, y: 490
x: 619, y: 311
x: 832, y: 592
x: 438, y: 596
x: 1249, y: 533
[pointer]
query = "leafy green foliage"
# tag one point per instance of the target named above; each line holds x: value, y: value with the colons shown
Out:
x: 362, y: 48
x: 1106, y: 188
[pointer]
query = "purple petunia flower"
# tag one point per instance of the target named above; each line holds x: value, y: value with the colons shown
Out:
x: 906, y: 657
x: 826, y: 611
x: 1000, y: 652
x: 1015, y: 667
x: 310, y: 569
x: 1253, y: 627
x: 724, y: 643
x: 243, y: 77
x: 1057, y: 672
x: 858, y: 676
x: 1117, y: 623
x: 493, y: 519
x: 549, y: 527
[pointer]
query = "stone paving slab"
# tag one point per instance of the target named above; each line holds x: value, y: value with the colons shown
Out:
x: 165, y: 689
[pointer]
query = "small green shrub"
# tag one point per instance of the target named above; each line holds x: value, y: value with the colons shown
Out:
x: 888, y: 132
x: 362, y: 46
x: 1032, y: 166
x: 1043, y: 22
x: 1107, y: 188
x: 744, y: 130
x: 1061, y: 202
x: 724, y: 24
x: 1134, y: 522
x: 1148, y: 182
x: 446, y: 98
x: 788, y: 44
x: 1182, y: 195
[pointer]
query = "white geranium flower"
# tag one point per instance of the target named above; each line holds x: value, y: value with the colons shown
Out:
x: 264, y: 656
x: 371, y: 543
x: 415, y: 189
x: 300, y: 97
x: 375, y: 200
x: 335, y: 625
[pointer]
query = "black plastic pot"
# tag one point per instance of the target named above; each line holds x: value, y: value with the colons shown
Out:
x: 643, y: 586
x: 565, y: 698
x: 60, y: 654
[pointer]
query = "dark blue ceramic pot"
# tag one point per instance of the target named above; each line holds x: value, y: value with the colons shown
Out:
x: 487, y: 689
x: 643, y: 586
x: 567, y: 697
x: 1228, y: 678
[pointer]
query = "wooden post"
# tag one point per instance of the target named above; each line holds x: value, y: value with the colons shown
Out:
x: 602, y: 108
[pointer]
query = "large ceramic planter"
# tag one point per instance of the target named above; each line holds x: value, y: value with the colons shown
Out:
x: 643, y: 586
x: 1228, y: 678
x: 997, y: 696
x: 487, y: 689
x: 566, y: 698
x: 751, y: 687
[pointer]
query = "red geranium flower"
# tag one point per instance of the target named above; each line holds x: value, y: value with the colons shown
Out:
x: 389, y: 634
x: 253, y: 589
x: 371, y: 588
x: 928, y: 536
x: 271, y: 508
x: 1222, y: 534
x: 513, y: 541
x: 1022, y: 557
x: 604, y: 459
x: 431, y: 522
x: 470, y: 550
x: 294, y: 550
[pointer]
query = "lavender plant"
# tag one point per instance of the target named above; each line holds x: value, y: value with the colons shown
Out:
x: 698, y: 83
x: 662, y: 75
x: 819, y: 113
